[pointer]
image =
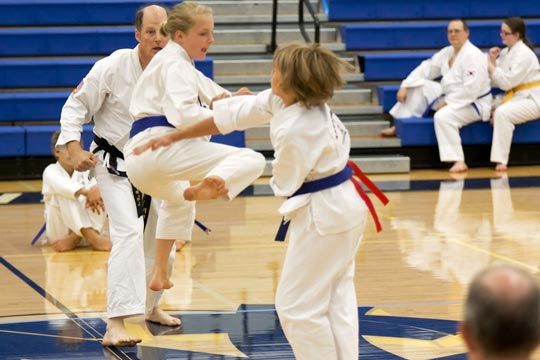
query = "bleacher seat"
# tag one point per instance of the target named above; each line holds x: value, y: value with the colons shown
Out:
x: 38, y: 138
x: 386, y: 95
x: 70, y: 12
x: 12, y: 141
x: 390, y: 66
x: 423, y: 35
x: 421, y: 132
x: 60, y: 72
x: 31, y: 106
x: 354, y: 10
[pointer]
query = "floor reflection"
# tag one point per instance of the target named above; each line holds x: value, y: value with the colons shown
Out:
x: 461, y: 239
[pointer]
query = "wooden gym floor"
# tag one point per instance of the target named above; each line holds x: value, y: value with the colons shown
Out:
x: 411, y: 278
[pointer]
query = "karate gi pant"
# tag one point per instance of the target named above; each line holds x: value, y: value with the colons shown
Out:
x: 417, y: 101
x: 316, y: 297
x: 163, y: 173
x: 517, y: 110
x: 63, y: 215
x: 448, y: 121
x: 133, y: 248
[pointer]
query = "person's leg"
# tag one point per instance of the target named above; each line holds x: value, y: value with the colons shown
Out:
x: 219, y: 167
x: 96, y: 240
x: 153, y: 312
x: 175, y: 221
x: 447, y: 123
x: 506, y: 116
x: 63, y: 220
x: 311, y: 273
x: 126, y: 285
x: 343, y: 310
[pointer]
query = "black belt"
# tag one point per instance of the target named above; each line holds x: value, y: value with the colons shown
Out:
x: 142, y: 200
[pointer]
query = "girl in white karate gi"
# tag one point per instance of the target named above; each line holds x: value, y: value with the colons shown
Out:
x: 516, y: 70
x: 170, y: 94
x: 316, y: 297
x: 74, y: 212
x: 462, y: 97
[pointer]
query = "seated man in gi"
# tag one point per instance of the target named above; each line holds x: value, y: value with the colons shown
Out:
x: 463, y: 95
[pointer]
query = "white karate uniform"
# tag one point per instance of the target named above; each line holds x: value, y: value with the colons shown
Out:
x: 104, y: 95
x: 515, y: 66
x: 64, y: 212
x: 171, y: 86
x: 465, y: 87
x: 316, y: 297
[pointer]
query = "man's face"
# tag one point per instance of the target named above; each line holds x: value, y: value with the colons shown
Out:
x: 149, y: 38
x: 457, y: 36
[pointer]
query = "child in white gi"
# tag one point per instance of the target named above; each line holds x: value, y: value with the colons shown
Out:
x: 171, y: 93
x: 316, y: 297
x: 74, y: 212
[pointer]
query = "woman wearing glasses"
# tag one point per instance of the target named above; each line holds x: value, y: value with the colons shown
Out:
x: 516, y: 70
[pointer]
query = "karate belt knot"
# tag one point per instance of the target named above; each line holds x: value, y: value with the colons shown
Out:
x: 348, y: 173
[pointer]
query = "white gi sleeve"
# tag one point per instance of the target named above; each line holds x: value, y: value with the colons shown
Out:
x: 182, y: 105
x: 85, y: 101
x: 429, y: 69
x: 518, y: 68
x: 54, y: 182
x: 243, y: 112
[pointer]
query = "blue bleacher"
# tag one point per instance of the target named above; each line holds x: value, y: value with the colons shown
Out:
x: 12, y: 141
x: 31, y: 106
x: 390, y: 66
x: 60, y: 72
x: 370, y: 10
x: 421, y: 132
x: 422, y: 35
x: 70, y: 12
x: 52, y: 41
x: 38, y: 138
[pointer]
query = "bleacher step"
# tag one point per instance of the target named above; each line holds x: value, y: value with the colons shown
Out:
x: 356, y: 128
x: 357, y: 142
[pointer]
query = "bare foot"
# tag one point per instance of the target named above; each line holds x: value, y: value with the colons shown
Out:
x: 391, y: 131
x: 67, y: 243
x: 211, y: 187
x: 459, y: 166
x: 501, y: 167
x: 96, y: 240
x: 161, y: 317
x: 160, y: 280
x: 117, y: 335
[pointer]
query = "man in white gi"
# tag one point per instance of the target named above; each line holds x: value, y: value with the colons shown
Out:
x: 104, y: 95
x: 74, y: 211
x: 463, y: 95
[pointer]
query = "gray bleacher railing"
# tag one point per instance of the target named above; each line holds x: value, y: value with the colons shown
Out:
x: 273, y: 42
x: 315, y: 18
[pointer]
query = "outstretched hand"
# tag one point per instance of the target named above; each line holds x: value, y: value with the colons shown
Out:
x: 154, y: 144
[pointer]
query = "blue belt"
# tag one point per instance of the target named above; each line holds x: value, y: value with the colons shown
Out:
x: 313, y: 186
x: 148, y: 122
x: 334, y: 180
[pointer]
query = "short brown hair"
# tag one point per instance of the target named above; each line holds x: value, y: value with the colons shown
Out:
x: 310, y: 72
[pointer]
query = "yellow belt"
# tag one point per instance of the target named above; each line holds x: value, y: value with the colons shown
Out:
x: 510, y: 93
